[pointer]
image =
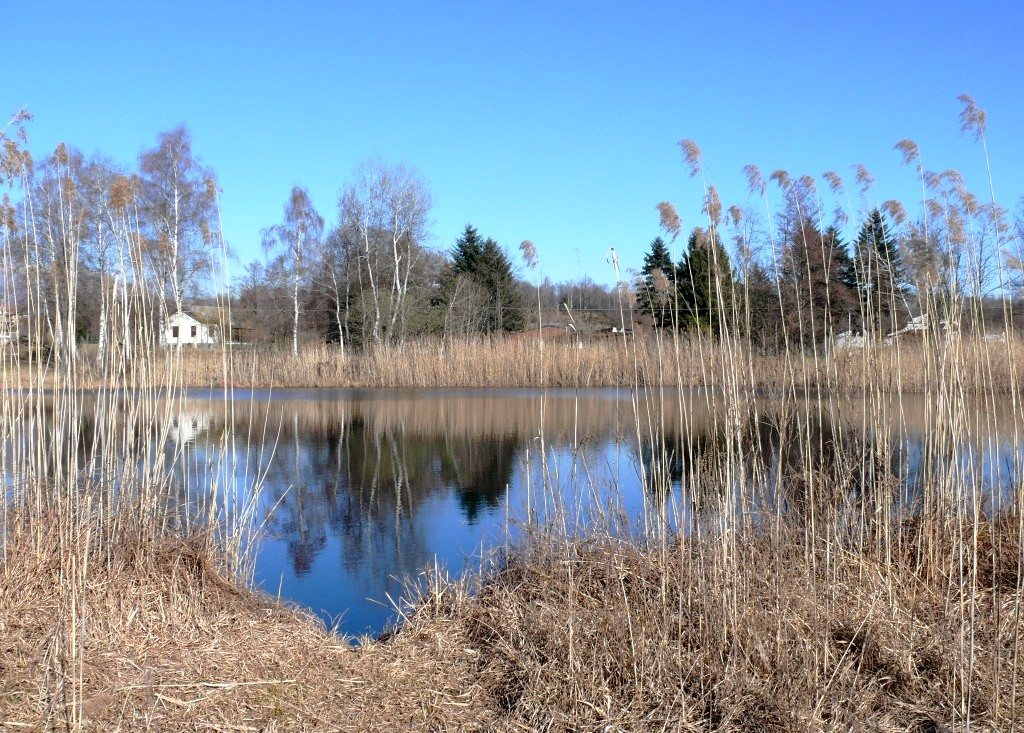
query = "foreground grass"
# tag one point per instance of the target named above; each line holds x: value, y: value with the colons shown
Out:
x: 917, y: 633
x: 168, y: 642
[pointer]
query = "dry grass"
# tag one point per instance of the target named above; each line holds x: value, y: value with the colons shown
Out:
x: 783, y: 584
x: 911, y: 367
x: 586, y: 635
x: 522, y: 362
x: 600, y: 635
x: 167, y: 642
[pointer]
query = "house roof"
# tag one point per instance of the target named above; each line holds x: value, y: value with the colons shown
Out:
x: 199, y: 315
x: 182, y: 316
x: 212, y: 315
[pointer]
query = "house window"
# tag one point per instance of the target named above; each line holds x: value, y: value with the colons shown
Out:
x: 174, y: 332
x: 193, y: 331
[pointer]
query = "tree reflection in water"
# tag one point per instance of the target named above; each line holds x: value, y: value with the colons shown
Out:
x: 361, y: 489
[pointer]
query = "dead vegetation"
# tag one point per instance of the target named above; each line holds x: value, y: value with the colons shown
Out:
x: 913, y: 366
x: 167, y: 641
x: 588, y: 634
x: 796, y: 589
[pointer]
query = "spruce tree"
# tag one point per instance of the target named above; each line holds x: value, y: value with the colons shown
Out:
x: 467, y: 250
x: 881, y: 281
x: 816, y: 271
x: 494, y: 273
x: 845, y: 270
x: 842, y: 280
x: 485, y: 263
x: 762, y: 304
x: 705, y: 284
x: 657, y: 296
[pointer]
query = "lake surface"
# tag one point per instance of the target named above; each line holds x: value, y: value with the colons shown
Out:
x: 361, y: 490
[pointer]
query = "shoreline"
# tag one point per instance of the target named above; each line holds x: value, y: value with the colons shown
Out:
x: 981, y: 365
x: 837, y: 611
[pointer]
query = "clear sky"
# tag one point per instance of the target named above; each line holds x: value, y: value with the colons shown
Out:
x: 547, y: 121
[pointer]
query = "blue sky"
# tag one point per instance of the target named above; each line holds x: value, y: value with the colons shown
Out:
x: 532, y: 120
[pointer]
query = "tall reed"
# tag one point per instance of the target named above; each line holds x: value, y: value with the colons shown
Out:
x: 92, y: 489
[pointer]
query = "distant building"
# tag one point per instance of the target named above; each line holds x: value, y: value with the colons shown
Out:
x: 917, y: 324
x: 615, y: 331
x: 184, y: 329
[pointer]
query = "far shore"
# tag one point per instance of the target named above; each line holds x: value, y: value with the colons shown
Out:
x: 524, y: 363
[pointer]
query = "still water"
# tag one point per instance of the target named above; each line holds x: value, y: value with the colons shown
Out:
x: 361, y: 490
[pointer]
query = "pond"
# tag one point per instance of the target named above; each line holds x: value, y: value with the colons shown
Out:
x: 362, y: 490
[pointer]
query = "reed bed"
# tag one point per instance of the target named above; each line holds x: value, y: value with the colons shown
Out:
x: 169, y: 641
x: 911, y: 366
x: 785, y: 575
x: 604, y: 635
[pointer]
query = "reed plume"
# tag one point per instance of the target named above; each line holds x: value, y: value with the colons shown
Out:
x: 692, y: 156
x: 755, y: 181
x: 973, y: 118
x: 671, y: 224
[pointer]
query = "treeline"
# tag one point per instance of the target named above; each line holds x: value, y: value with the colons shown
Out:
x: 88, y: 242
x: 372, y: 279
x: 820, y: 287
x: 84, y: 238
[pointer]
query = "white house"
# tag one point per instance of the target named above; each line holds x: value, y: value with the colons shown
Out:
x: 182, y: 329
x: 917, y: 324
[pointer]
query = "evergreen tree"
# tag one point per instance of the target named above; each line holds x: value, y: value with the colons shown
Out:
x: 816, y: 268
x: 762, y: 307
x: 844, y: 264
x: 467, y: 251
x: 881, y: 281
x: 658, y: 285
x: 484, y: 263
x: 705, y: 284
x: 842, y: 279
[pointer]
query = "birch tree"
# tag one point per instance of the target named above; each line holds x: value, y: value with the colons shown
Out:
x: 335, y: 276
x: 101, y: 245
x: 292, y: 242
x: 385, y: 209
x: 178, y: 197
x: 59, y: 228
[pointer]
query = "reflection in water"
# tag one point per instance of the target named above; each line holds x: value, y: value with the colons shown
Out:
x: 364, y: 489
x: 186, y: 427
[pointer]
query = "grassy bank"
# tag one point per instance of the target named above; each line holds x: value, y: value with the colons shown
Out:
x: 786, y: 574
x: 586, y: 635
x: 793, y: 562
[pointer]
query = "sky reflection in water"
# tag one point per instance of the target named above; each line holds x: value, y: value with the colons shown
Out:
x: 364, y: 489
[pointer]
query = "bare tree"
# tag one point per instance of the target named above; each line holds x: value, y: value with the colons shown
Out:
x: 338, y: 258
x: 385, y: 210
x: 178, y: 197
x: 292, y: 242
x: 102, y: 246
x: 59, y: 226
